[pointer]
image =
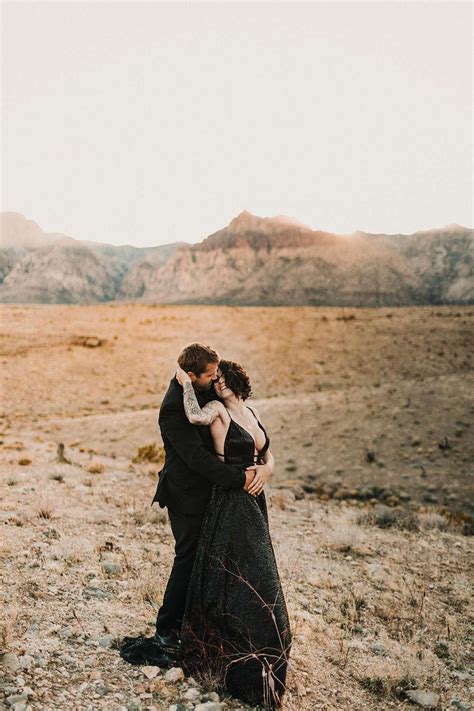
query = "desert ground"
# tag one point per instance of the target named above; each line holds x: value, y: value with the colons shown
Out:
x: 370, y: 415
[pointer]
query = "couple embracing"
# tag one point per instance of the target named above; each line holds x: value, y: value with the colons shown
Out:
x: 223, y: 609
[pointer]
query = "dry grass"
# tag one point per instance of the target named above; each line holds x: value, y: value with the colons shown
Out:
x: 8, y: 617
x: 379, y: 595
x: 150, y: 453
x: 96, y: 468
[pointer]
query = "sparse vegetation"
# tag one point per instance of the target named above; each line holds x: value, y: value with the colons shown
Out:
x: 376, y: 576
x: 149, y: 453
x: 385, y: 517
x: 96, y: 468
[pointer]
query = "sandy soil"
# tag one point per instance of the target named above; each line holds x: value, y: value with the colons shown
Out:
x: 370, y: 415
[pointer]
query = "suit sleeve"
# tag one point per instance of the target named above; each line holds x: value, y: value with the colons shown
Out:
x: 188, y: 444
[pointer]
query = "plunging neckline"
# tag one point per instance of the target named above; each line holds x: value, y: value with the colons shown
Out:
x: 244, y: 429
x: 259, y: 451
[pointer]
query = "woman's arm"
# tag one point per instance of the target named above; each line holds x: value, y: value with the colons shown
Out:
x: 196, y: 415
x: 269, y: 459
x: 262, y: 471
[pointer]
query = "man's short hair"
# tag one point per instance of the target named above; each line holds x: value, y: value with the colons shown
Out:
x: 196, y: 357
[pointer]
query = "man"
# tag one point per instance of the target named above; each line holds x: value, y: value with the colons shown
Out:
x: 185, y: 482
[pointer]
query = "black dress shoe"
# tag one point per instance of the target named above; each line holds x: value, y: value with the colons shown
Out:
x: 170, y: 641
x: 145, y: 650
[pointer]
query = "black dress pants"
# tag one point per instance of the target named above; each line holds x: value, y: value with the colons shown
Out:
x: 186, y: 530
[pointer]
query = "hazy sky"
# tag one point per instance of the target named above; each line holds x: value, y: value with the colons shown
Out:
x: 148, y: 123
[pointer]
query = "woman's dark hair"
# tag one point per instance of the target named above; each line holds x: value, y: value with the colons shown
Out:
x: 196, y: 358
x: 236, y: 378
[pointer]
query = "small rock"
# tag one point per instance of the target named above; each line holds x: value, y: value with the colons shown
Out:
x: 26, y: 661
x: 209, y: 706
x: 108, y: 566
x: 192, y: 695
x: 107, y: 640
x: 65, y: 633
x: 174, y: 674
x: 151, y: 672
x: 460, y: 705
x: 177, y: 707
x: 69, y: 660
x: 19, y: 706
x: 10, y: 661
x: 378, y: 648
x: 101, y: 689
x: 211, y: 696
x: 461, y: 675
x: 427, y: 699
x: 95, y: 674
x: 97, y: 592
x: 16, y: 698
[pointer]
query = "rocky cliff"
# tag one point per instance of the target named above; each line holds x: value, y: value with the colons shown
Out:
x: 253, y: 261
x: 36, y: 267
x: 274, y: 261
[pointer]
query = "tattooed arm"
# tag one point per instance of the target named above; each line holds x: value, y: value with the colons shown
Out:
x: 195, y: 414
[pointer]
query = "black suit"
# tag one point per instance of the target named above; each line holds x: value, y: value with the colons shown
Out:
x: 190, y: 470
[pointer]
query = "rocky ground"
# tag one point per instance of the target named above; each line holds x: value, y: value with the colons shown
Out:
x: 370, y: 417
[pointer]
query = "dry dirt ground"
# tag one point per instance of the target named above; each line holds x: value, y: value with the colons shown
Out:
x: 370, y: 414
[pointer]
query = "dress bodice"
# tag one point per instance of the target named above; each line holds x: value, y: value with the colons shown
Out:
x: 239, y: 445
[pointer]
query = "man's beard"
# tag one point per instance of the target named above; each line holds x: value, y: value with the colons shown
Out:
x: 204, y: 388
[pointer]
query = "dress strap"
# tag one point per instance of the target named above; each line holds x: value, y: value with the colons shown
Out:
x: 258, y: 421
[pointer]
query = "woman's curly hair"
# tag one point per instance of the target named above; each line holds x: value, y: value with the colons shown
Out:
x: 236, y: 378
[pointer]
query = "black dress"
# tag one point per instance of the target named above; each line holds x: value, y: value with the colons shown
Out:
x: 235, y: 625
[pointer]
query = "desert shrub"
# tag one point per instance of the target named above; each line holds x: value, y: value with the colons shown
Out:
x: 149, y: 453
x: 434, y: 521
x: 387, y: 517
x: 381, y: 686
x: 96, y: 468
x: 57, y: 477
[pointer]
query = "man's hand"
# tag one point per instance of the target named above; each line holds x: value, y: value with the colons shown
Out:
x: 249, y: 477
x: 262, y: 475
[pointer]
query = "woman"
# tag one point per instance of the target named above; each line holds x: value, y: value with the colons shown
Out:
x: 236, y: 624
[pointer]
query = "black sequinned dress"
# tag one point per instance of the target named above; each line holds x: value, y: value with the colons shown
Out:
x: 236, y: 623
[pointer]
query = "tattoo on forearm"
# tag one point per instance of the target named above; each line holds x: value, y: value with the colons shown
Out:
x: 194, y: 413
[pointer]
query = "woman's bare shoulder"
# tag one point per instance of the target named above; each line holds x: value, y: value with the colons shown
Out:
x: 255, y: 411
x: 216, y: 406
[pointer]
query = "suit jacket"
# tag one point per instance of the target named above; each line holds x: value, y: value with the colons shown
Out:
x: 191, y: 467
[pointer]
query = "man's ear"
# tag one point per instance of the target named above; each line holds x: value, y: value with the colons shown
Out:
x: 192, y: 376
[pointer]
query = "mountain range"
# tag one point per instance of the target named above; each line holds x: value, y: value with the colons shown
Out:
x: 252, y: 261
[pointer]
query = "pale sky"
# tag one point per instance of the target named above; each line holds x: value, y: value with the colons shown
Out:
x: 148, y: 123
